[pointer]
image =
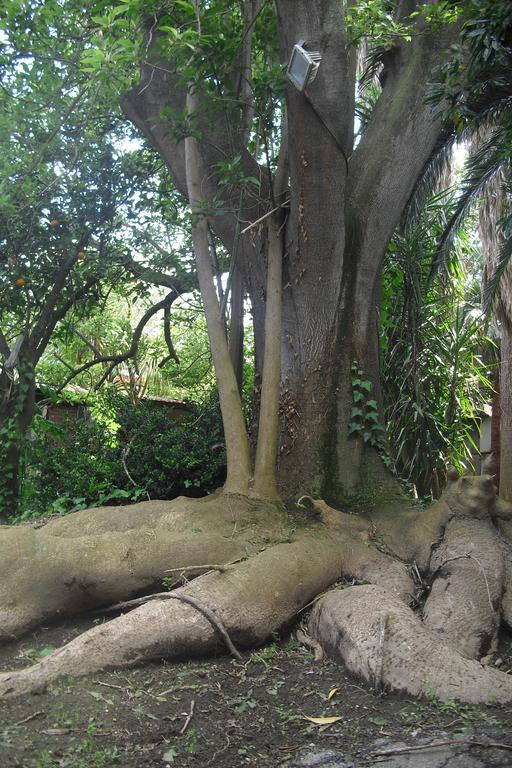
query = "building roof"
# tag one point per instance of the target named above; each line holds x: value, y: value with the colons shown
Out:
x: 167, y: 400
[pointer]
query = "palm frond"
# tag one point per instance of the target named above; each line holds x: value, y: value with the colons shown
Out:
x: 434, y: 177
x: 481, y: 169
x: 373, y: 64
x: 365, y: 105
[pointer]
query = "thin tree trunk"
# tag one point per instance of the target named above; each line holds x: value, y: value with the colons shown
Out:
x: 506, y: 411
x: 265, y: 475
x: 236, y: 330
x: 235, y: 432
x: 268, y: 433
x: 16, y: 416
x: 250, y: 11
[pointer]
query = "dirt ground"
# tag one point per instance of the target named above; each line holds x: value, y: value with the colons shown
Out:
x: 220, y: 712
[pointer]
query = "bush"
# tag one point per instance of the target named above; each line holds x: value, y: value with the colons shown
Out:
x: 169, y: 458
x: 80, y: 464
x: 67, y: 466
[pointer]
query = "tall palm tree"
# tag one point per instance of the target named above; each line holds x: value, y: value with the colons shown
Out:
x: 497, y: 292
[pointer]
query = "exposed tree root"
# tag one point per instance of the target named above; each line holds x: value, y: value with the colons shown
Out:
x: 467, y: 588
x: 184, y: 598
x: 251, y: 601
x: 98, y: 557
x: 411, y: 657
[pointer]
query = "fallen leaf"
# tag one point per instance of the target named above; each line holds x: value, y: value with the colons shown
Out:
x: 322, y: 720
x: 332, y: 693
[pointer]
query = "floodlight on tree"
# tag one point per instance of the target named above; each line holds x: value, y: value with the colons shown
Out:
x: 303, y: 66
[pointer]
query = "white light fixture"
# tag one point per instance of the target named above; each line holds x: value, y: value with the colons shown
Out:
x: 303, y: 66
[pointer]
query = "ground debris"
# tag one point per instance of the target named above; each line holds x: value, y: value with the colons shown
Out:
x: 249, y: 715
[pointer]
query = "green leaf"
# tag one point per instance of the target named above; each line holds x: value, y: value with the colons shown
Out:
x: 46, y: 650
x: 186, y: 6
x: 378, y: 720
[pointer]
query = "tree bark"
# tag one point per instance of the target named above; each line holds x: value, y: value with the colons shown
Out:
x: 268, y: 434
x: 506, y: 411
x: 235, y: 432
x: 16, y: 412
x: 266, y: 573
x: 344, y: 208
x: 236, y: 327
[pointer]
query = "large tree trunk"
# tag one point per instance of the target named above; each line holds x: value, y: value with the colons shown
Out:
x: 345, y: 205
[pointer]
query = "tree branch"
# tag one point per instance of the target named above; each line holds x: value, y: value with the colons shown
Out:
x: 178, y: 284
x: 4, y: 347
x: 55, y: 293
x: 251, y: 9
x: 184, y: 598
x: 161, y: 91
x: 59, y: 314
x: 64, y: 362
x: 86, y: 341
x: 12, y: 360
x: 401, y: 133
x: 154, y: 243
x: 168, y: 339
x: 116, y: 359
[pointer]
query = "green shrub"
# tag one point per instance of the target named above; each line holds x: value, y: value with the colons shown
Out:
x: 170, y: 458
x: 67, y: 466
x: 131, y: 453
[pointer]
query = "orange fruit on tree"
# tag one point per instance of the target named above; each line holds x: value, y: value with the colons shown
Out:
x: 54, y: 223
x: 20, y: 282
x: 81, y: 255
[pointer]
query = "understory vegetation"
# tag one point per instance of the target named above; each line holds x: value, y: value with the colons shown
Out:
x: 124, y: 453
x: 438, y: 357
